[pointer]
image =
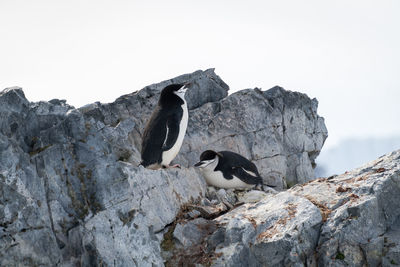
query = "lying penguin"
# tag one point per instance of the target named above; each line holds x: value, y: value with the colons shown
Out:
x: 226, y: 169
x: 164, y: 132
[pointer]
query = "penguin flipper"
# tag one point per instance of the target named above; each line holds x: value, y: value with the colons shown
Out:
x: 245, y: 176
x: 172, y: 132
x: 153, y: 137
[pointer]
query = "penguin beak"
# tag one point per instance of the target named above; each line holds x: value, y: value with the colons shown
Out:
x: 184, y: 88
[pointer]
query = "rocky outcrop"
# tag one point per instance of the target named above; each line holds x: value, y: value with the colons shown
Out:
x: 348, y: 220
x: 71, y: 191
x: 279, y: 130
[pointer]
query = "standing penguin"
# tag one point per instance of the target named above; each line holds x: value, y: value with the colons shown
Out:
x: 226, y: 169
x: 164, y: 132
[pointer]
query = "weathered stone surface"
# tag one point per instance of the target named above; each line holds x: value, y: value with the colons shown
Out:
x: 71, y: 191
x: 278, y: 130
x: 192, y: 232
x: 366, y: 207
x: 348, y: 220
x: 253, y: 196
x: 280, y: 230
x: 67, y: 195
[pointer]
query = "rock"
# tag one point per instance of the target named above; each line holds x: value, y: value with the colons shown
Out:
x: 193, y: 214
x: 280, y: 230
x: 71, y: 189
x: 361, y: 215
x: 316, y: 224
x: 210, y: 211
x: 193, y: 231
x: 278, y: 130
x: 388, y: 246
x: 252, y: 196
x: 227, y: 197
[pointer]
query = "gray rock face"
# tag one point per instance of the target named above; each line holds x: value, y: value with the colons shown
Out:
x: 281, y: 230
x: 278, y: 130
x: 71, y: 191
x: 349, y: 220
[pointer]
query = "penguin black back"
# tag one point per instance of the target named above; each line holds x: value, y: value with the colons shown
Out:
x: 231, y: 164
x: 233, y: 160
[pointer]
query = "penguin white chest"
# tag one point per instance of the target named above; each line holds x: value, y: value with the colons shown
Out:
x: 169, y: 155
x: 216, y: 178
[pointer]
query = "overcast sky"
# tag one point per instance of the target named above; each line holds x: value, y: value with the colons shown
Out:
x: 346, y: 53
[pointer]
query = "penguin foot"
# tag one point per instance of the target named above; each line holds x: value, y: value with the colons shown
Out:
x: 175, y: 166
x: 171, y: 166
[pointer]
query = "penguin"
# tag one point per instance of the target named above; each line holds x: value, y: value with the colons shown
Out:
x: 166, y: 128
x: 226, y: 169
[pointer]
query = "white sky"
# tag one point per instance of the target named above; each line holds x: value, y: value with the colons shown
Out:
x: 346, y: 53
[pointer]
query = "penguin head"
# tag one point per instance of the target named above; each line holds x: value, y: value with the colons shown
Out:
x: 173, y: 93
x: 208, y: 160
